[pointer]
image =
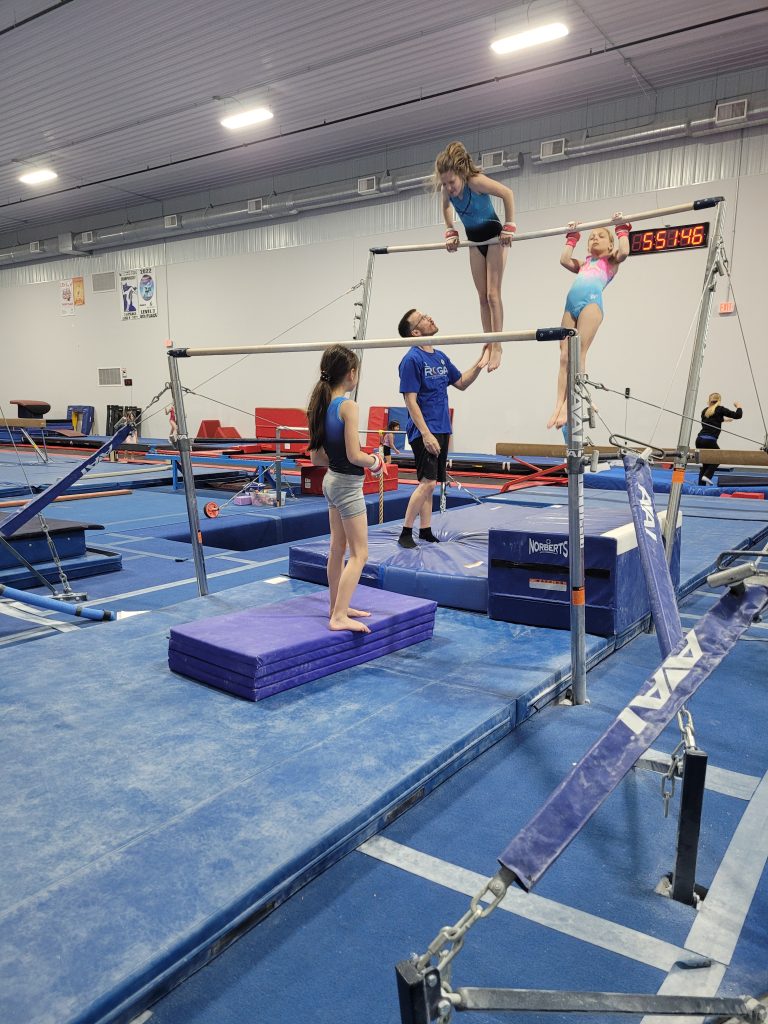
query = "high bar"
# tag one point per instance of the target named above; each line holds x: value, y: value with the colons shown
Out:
x: 533, y: 334
x: 524, y: 236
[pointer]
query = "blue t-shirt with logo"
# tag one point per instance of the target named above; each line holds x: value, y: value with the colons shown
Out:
x: 429, y: 375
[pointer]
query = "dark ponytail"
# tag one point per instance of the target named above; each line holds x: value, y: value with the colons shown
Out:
x: 337, y: 362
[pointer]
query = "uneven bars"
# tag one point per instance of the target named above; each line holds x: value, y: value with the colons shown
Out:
x: 697, y: 204
x: 534, y: 334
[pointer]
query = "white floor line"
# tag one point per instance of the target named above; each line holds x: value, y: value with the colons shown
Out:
x: 560, y: 918
x: 101, y: 601
x: 720, y: 780
x: 718, y: 925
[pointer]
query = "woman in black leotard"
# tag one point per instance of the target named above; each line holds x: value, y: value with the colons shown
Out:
x: 712, y: 419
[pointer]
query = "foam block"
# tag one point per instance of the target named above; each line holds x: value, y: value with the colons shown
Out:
x: 262, y: 651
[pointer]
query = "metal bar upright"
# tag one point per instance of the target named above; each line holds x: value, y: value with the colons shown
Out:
x: 576, y: 524
x: 190, y: 495
x: 715, y: 258
x: 689, y: 827
x: 362, y: 322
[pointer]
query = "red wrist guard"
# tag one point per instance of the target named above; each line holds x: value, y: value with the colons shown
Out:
x: 509, y: 228
x: 622, y: 230
x: 572, y: 238
x: 451, y: 233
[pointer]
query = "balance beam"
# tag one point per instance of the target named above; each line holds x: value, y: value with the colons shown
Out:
x: 549, y: 451
x: 731, y: 457
x: 25, y: 424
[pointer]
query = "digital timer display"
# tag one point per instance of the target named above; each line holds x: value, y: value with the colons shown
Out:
x: 686, y: 236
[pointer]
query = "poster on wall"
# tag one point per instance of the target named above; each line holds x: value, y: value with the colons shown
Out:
x: 78, y: 291
x: 129, y: 287
x: 66, y: 298
x: 147, y: 293
x: 138, y: 294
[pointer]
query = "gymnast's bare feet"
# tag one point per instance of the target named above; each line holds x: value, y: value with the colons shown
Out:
x: 558, y: 418
x: 494, y: 356
x: 355, y: 613
x: 344, y: 622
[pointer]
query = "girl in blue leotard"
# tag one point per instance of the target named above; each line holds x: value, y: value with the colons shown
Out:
x: 465, y: 191
x: 584, y: 302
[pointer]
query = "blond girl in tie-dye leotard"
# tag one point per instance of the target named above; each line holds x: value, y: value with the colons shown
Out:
x: 584, y: 302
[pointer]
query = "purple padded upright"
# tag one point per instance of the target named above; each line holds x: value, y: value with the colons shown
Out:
x: 265, y: 650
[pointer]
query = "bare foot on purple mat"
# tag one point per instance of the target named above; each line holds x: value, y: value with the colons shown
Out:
x: 344, y: 622
x: 355, y: 613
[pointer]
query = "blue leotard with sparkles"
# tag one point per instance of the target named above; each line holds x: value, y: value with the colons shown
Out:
x: 475, y: 209
x: 595, y: 275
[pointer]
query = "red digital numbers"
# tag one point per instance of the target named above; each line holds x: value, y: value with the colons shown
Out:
x: 687, y: 236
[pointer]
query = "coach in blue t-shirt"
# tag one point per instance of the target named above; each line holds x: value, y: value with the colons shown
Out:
x: 425, y: 375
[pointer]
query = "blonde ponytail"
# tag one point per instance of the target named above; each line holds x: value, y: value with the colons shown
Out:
x: 714, y: 400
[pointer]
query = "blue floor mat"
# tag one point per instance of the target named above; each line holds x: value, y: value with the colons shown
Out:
x: 161, y: 803
x: 380, y: 913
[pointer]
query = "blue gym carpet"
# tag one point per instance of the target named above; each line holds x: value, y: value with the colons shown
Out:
x: 148, y: 818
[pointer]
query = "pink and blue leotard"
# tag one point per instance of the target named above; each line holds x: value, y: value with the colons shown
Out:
x: 594, y: 275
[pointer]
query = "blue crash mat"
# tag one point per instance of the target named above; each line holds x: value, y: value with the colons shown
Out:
x: 454, y: 572
x: 613, y: 480
x: 265, y: 650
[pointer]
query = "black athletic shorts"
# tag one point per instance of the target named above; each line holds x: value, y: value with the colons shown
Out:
x: 429, y: 466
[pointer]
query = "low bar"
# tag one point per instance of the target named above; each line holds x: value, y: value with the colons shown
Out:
x: 533, y: 334
x: 524, y: 236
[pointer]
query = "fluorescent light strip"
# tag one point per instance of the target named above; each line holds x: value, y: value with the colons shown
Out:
x: 247, y: 117
x: 521, y: 41
x: 38, y: 177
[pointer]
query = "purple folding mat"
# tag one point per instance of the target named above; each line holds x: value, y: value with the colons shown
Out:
x: 265, y: 650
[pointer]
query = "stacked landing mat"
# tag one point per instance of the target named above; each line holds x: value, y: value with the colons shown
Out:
x: 262, y: 651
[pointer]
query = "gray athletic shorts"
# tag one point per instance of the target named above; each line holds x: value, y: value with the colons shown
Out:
x: 344, y: 493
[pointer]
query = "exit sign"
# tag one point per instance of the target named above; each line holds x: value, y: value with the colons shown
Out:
x: 726, y: 308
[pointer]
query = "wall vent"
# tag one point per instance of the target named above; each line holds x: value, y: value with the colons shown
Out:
x: 367, y: 185
x: 255, y: 205
x: 171, y: 221
x: 106, y: 282
x: 110, y: 377
x: 552, y: 149
x: 492, y: 160
x: 34, y: 247
x: 86, y: 237
x: 731, y: 112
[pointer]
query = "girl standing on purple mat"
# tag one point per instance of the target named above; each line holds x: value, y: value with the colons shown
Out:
x: 334, y: 442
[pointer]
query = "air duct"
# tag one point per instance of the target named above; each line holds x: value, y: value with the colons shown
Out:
x: 652, y: 136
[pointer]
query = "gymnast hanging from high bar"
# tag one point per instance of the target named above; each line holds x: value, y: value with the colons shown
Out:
x: 584, y: 302
x: 466, y: 191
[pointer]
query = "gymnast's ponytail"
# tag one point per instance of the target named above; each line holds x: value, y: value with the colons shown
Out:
x: 337, y: 362
x: 714, y: 401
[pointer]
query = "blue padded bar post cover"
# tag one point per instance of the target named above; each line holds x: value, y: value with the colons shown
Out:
x: 266, y: 650
x: 661, y: 591
x: 541, y: 841
x: 9, y: 526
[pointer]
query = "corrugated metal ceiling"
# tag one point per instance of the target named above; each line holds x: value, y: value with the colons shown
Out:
x: 124, y: 102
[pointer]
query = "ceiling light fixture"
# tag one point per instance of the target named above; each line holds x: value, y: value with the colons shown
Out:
x: 39, y: 176
x: 533, y: 37
x: 247, y: 117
